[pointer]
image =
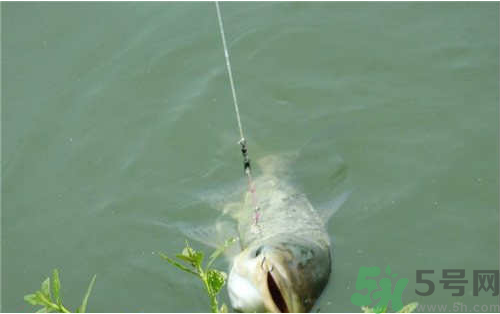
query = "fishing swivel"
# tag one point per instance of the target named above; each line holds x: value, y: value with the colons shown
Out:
x: 242, y: 142
x: 244, y: 151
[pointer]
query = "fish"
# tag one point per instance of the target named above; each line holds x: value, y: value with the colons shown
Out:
x: 283, y: 260
x: 286, y: 257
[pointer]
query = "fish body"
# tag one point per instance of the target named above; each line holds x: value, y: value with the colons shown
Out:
x: 285, y: 259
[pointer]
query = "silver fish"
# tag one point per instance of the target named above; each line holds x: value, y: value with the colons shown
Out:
x: 285, y: 259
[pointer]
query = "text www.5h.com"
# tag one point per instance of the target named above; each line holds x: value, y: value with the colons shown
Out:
x: 458, y: 308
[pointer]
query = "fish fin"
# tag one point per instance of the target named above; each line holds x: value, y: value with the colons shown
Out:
x: 218, y: 197
x: 232, y: 209
x: 329, y: 209
x: 213, y: 236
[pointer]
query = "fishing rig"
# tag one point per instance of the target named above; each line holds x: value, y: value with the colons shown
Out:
x: 242, y: 142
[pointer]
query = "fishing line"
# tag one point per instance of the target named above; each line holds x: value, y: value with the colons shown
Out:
x: 228, y: 66
x: 242, y: 141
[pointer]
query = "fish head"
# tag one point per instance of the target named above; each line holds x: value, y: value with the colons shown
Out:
x: 281, y: 274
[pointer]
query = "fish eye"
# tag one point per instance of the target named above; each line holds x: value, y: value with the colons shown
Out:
x: 257, y: 251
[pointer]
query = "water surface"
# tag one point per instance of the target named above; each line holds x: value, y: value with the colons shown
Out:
x: 117, y: 118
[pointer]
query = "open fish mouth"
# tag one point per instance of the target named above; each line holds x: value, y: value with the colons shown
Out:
x: 276, y: 294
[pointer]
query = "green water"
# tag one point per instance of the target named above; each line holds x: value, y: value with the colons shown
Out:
x: 117, y: 119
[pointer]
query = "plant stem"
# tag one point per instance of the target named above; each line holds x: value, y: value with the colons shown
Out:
x: 57, y: 307
x: 65, y: 310
x: 213, y: 299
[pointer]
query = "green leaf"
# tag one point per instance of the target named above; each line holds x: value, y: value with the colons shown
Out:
x: 394, y: 275
x: 216, y: 280
x: 176, y: 264
x: 50, y: 300
x: 46, y: 288
x: 83, y: 307
x: 388, y: 270
x: 376, y: 309
x: 381, y: 308
x: 31, y: 299
x: 42, y: 298
x: 187, y: 251
x: 198, y: 257
x: 56, y: 287
x: 213, y: 280
x: 187, y: 259
x: 43, y: 310
x: 191, y: 256
x: 409, y: 308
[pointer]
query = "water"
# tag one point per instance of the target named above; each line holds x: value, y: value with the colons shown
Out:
x: 117, y: 117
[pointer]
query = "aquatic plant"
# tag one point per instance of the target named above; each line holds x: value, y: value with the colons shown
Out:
x: 409, y: 308
x: 191, y: 261
x: 49, y: 297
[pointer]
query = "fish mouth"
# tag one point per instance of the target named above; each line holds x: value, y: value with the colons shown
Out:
x: 276, y: 295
